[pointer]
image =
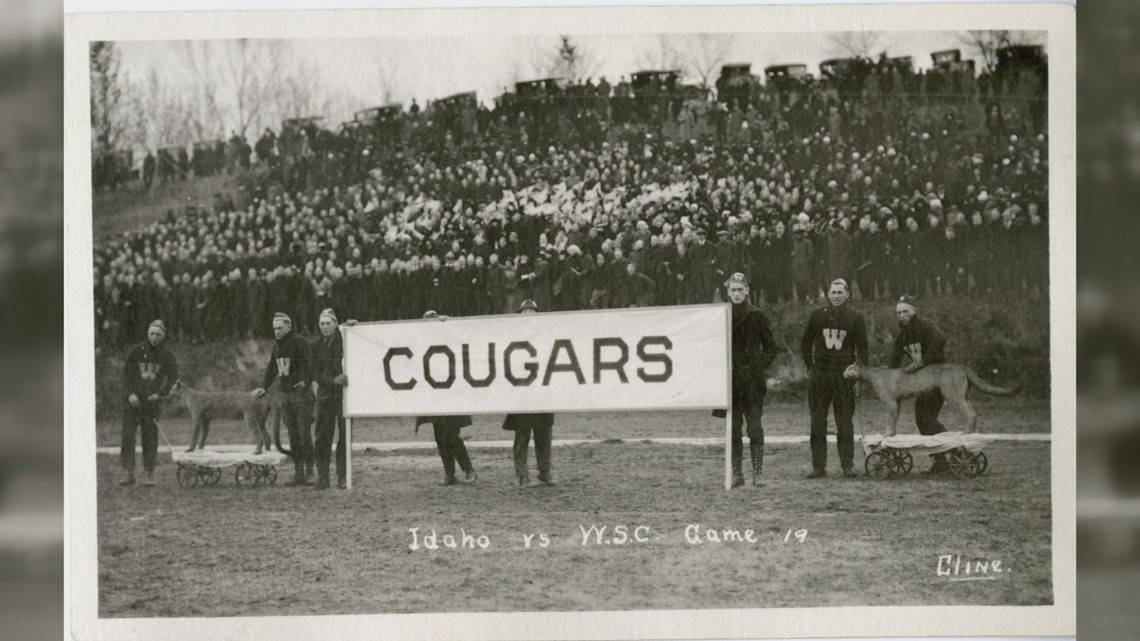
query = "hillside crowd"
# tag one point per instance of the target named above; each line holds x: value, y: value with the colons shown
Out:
x: 472, y: 221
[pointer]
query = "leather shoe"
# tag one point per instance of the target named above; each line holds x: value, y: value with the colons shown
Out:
x: 817, y: 474
x: 850, y: 472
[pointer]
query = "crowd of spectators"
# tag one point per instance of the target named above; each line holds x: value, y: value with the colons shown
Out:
x: 469, y: 216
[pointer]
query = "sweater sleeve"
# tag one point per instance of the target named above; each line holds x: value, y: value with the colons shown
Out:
x: 808, y: 339
x: 897, y: 352
x: 935, y: 349
x: 304, y: 357
x: 131, y: 374
x: 171, y: 374
x: 323, y: 369
x: 768, y: 342
x: 862, y: 353
x: 270, y: 371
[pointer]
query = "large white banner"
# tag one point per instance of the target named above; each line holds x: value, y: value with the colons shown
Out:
x: 629, y: 359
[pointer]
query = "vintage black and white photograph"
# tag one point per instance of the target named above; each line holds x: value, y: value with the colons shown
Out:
x: 586, y: 321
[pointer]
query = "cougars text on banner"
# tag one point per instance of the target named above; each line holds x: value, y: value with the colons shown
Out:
x: 631, y: 359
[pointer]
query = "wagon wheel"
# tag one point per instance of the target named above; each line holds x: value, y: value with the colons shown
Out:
x: 975, y: 464
x: 901, y: 462
x: 186, y: 475
x: 209, y: 475
x: 244, y: 475
x: 878, y: 465
x: 267, y: 473
x: 962, y: 464
x: 983, y: 462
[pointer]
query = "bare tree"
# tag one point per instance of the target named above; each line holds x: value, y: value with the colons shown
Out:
x: 236, y: 83
x: 388, y: 77
x: 206, y: 119
x: 159, y: 116
x: 300, y: 92
x: 857, y: 44
x: 572, y: 60
x: 987, y: 43
x: 254, y: 73
x: 107, y: 114
x: 663, y: 55
x: 701, y: 55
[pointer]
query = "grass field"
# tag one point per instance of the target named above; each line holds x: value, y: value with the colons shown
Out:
x: 221, y: 551
x: 1006, y: 415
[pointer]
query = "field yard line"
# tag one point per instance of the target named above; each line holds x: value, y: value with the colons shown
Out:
x: 419, y: 445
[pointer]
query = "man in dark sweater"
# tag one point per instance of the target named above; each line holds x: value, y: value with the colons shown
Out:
x: 922, y: 343
x: 835, y: 337
x: 290, y: 364
x: 148, y: 375
x: 753, y: 350
x: 327, y: 353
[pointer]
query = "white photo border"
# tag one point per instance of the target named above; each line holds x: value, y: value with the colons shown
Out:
x: 1058, y: 20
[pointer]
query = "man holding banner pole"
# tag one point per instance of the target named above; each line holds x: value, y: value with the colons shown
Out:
x: 523, y: 425
x: 753, y: 350
x: 446, y: 429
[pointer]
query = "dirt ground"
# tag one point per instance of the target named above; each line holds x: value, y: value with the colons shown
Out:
x: 227, y: 551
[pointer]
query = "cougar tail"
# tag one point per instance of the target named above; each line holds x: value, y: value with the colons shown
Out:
x: 977, y: 383
x: 275, y: 414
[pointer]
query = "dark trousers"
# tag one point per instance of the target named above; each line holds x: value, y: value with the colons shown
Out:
x: 828, y: 390
x: 451, y: 449
x: 926, y: 409
x: 298, y: 416
x: 751, y: 416
x: 542, y: 439
x: 141, y: 418
x: 330, y: 421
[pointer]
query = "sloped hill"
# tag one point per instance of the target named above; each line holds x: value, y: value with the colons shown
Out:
x: 132, y: 207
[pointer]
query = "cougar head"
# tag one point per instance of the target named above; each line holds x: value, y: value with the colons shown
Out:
x: 853, y: 371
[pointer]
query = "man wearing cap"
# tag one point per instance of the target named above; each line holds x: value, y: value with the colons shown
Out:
x: 835, y: 337
x: 447, y: 440
x: 523, y: 425
x: 753, y: 350
x: 290, y: 364
x: 148, y: 375
x: 327, y: 356
x: 922, y: 343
